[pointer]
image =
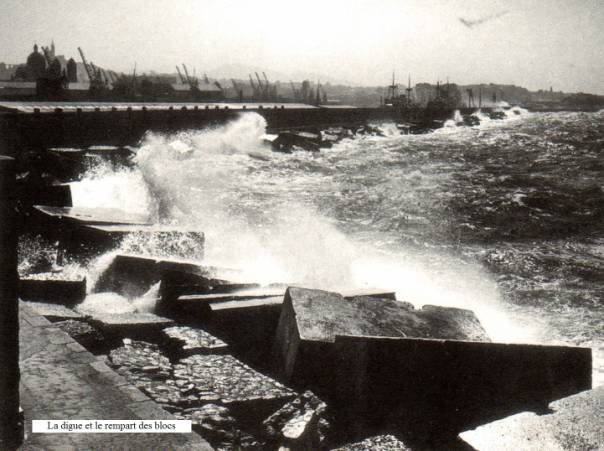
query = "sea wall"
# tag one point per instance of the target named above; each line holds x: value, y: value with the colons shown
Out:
x: 110, y: 125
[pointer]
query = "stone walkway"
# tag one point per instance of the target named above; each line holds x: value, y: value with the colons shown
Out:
x: 61, y: 380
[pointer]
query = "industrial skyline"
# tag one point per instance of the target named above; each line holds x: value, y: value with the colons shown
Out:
x: 535, y: 44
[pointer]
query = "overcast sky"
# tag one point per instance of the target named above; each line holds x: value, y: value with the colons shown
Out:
x: 532, y: 43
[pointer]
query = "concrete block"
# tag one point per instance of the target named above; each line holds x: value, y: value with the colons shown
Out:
x: 133, y: 275
x: 57, y: 195
x: 131, y: 325
x: 219, y: 292
x: 249, y: 325
x: 82, y: 215
x: 53, y: 312
x: 189, y: 341
x: 435, y: 389
x: 53, y: 287
x: 573, y: 423
x: 311, y: 319
x: 376, y: 293
x: 288, y: 141
x: 144, y: 239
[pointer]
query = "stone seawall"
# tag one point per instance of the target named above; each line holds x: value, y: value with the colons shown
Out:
x: 34, y: 129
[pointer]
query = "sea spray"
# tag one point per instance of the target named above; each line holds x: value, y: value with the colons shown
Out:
x: 419, y: 214
x: 103, y: 187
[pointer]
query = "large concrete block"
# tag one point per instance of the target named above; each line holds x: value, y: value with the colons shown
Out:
x: 376, y: 293
x: 53, y: 312
x: 434, y: 389
x: 573, y: 423
x: 53, y: 287
x: 133, y: 275
x: 131, y: 325
x: 249, y: 325
x: 82, y: 215
x: 142, y: 240
x: 67, y: 225
x: 189, y: 341
x: 222, y: 293
x: 311, y: 319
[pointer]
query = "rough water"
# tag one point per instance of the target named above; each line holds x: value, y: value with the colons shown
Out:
x: 505, y: 218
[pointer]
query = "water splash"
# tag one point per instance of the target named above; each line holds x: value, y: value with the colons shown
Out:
x: 344, y: 218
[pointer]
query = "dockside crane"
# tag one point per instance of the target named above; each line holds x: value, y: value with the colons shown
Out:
x: 86, y: 66
x: 392, y: 89
x: 182, y: 79
x: 189, y: 79
x: 262, y: 88
x: 295, y: 91
x: 255, y: 89
x: 480, y: 97
x: 238, y: 90
x: 470, y: 98
x: 409, y: 89
x: 268, y: 87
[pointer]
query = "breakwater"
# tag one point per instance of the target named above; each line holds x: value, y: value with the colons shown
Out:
x: 34, y: 126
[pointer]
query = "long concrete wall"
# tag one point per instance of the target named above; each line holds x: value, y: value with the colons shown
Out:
x: 38, y: 130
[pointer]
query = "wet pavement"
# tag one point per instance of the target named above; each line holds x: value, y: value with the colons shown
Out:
x: 61, y: 380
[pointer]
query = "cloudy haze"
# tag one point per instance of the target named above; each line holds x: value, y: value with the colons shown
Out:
x: 536, y: 44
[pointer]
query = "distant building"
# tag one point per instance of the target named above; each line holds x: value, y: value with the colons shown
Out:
x: 8, y: 71
x: 72, y: 71
x: 35, y: 65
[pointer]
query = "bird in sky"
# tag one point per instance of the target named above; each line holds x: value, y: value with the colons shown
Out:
x: 472, y: 23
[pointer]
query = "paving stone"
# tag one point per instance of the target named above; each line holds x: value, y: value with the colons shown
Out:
x: 55, y: 386
x: 299, y: 424
x: 230, y: 379
x: 134, y: 356
x: 82, y: 332
x: 377, y: 443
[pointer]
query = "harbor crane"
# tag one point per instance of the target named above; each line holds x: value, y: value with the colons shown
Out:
x: 295, y: 91
x: 470, y: 98
x: 255, y: 89
x: 392, y: 88
x: 86, y: 65
x: 182, y: 79
x: 261, y: 87
x: 191, y: 81
x: 238, y: 89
